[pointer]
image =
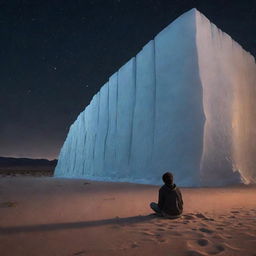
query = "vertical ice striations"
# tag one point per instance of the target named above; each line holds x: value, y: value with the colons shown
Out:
x: 184, y: 103
x: 179, y: 118
x: 142, y: 140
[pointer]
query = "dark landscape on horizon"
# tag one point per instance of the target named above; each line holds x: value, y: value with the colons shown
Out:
x: 10, y: 166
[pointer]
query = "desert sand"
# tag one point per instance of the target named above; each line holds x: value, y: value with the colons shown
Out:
x: 53, y: 216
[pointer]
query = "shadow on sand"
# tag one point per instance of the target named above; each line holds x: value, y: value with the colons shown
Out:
x: 75, y: 225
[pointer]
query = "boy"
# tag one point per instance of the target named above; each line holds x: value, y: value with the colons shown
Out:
x: 170, y: 203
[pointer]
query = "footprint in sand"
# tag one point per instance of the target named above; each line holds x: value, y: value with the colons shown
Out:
x: 201, y: 216
x: 235, y: 212
x: 79, y: 253
x: 188, y: 217
x: 217, y: 249
x: 203, y: 242
x: 206, y: 230
x: 161, y: 229
x: 159, y: 237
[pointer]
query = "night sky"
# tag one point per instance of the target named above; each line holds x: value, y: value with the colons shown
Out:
x: 55, y: 55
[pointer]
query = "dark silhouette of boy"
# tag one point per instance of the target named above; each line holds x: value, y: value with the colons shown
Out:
x: 170, y: 203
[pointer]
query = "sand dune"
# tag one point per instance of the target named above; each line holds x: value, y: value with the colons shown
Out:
x: 49, y: 216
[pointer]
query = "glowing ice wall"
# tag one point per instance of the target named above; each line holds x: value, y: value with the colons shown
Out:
x: 228, y: 77
x: 184, y: 103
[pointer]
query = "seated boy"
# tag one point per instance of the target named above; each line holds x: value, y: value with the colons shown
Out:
x: 170, y: 203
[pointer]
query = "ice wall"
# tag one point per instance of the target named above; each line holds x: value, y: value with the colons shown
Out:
x: 228, y: 76
x: 184, y: 103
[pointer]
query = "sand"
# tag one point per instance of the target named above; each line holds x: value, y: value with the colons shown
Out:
x: 50, y: 216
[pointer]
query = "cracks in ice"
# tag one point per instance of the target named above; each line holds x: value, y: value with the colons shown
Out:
x: 154, y: 106
x: 117, y: 75
x: 133, y: 106
x: 75, y: 158
x: 106, y: 135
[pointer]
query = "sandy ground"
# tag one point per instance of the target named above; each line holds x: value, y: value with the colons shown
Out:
x: 50, y: 216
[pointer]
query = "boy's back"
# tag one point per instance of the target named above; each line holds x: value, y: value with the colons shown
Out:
x: 170, y: 200
x: 170, y: 203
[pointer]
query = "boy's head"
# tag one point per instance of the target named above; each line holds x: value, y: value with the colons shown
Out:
x: 168, y: 178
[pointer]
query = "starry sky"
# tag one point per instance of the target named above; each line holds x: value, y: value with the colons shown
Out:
x: 56, y: 54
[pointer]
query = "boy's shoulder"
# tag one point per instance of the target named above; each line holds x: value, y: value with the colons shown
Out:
x: 163, y: 187
x: 169, y: 188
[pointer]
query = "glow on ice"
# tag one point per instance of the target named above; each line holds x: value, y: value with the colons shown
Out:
x: 185, y: 103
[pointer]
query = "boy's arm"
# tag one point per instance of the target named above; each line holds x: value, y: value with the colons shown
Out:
x: 180, y: 196
x: 160, y: 199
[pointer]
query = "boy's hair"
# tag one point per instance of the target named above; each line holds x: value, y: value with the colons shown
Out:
x: 168, y: 178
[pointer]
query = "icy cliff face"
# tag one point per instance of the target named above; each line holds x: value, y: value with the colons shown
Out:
x: 228, y: 78
x: 184, y: 104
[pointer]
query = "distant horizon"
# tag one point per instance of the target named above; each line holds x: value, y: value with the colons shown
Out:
x: 33, y: 158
